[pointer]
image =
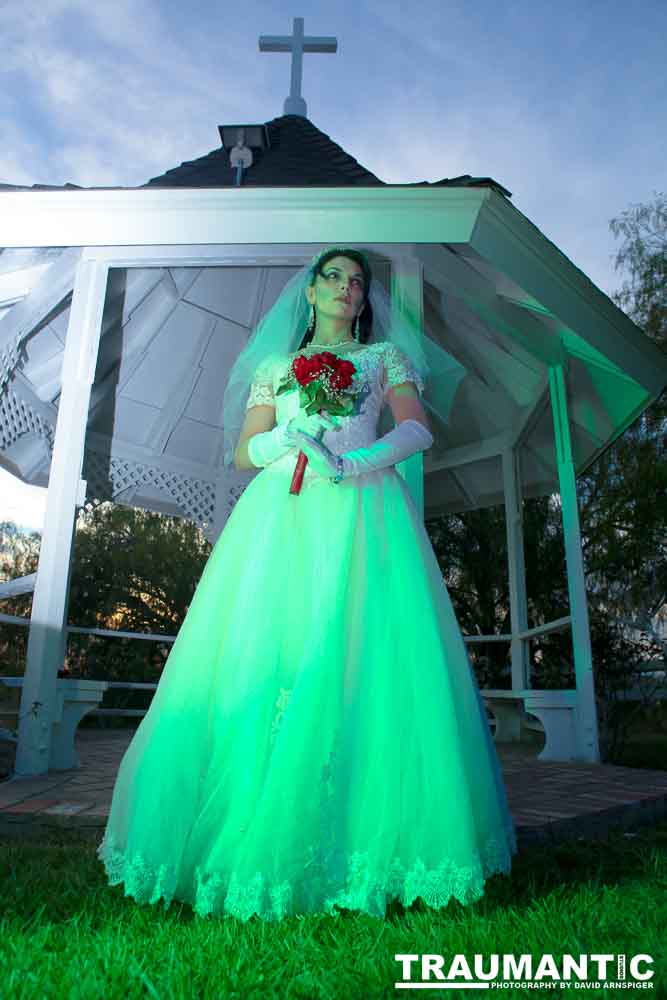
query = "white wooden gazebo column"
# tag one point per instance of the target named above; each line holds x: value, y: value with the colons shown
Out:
x: 516, y: 568
x: 407, y: 300
x: 586, y: 713
x: 48, y: 621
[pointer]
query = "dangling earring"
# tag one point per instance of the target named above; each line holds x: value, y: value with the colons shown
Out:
x: 355, y: 333
x: 311, y: 321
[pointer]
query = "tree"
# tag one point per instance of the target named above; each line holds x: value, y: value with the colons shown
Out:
x: 19, y: 554
x: 132, y: 570
x: 625, y: 492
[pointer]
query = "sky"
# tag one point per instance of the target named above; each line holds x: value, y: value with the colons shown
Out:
x: 563, y: 104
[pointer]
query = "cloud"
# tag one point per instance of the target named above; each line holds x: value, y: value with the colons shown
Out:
x: 122, y: 97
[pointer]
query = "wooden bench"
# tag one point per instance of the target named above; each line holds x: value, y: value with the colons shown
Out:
x: 74, y: 699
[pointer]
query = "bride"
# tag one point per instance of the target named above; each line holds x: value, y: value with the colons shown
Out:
x: 317, y: 741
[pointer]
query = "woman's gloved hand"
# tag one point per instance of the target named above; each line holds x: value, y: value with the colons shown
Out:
x: 320, y: 458
x: 310, y: 424
x: 268, y: 446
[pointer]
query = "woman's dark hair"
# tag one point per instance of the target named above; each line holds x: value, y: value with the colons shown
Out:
x: 366, y: 317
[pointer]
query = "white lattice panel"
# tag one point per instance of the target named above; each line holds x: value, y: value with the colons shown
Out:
x: 17, y: 417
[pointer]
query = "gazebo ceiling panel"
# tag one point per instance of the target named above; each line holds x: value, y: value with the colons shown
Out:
x: 275, y: 279
x: 182, y: 277
x: 497, y: 279
x: 195, y: 441
x: 229, y: 292
x: 182, y: 336
x: 600, y: 399
x: 129, y: 423
x: 43, y: 354
x: 205, y: 404
x: 27, y: 458
x: 128, y: 289
x: 226, y: 341
x: 467, y: 487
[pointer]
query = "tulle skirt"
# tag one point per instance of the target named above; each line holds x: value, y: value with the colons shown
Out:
x: 317, y: 740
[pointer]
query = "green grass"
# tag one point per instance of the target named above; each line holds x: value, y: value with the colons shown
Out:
x: 65, y: 933
x: 647, y: 750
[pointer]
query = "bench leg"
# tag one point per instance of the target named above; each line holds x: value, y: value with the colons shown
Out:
x: 559, y: 732
x: 508, y: 721
x: 63, y: 754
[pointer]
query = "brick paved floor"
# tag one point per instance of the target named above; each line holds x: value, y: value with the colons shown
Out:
x: 549, y: 801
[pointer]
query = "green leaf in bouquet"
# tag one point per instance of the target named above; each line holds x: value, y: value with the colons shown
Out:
x: 287, y: 383
x: 340, y: 409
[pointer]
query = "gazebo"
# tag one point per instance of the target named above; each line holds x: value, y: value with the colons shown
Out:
x: 122, y: 310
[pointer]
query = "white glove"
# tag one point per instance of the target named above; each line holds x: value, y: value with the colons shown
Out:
x: 312, y: 424
x: 404, y: 440
x: 267, y: 446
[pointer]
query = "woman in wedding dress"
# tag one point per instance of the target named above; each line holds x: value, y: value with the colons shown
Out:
x: 317, y: 742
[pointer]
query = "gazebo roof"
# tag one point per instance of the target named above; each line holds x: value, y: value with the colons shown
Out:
x: 497, y: 294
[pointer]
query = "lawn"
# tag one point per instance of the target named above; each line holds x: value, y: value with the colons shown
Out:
x: 64, y: 933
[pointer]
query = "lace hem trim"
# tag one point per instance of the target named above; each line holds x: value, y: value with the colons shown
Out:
x: 365, y: 889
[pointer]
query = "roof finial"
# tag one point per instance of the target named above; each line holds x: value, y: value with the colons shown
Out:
x: 297, y: 44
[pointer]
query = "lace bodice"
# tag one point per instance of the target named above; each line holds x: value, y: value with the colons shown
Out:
x: 379, y: 366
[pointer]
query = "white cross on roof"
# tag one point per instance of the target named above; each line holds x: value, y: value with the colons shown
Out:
x: 297, y: 43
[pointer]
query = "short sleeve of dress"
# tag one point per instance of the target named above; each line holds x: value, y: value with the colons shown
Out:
x: 261, y: 390
x: 398, y: 368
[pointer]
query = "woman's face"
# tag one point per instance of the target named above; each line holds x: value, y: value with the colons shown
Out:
x: 339, y: 289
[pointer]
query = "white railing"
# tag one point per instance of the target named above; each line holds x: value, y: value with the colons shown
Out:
x: 511, y: 709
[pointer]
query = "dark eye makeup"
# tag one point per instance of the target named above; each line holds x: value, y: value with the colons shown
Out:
x: 334, y: 272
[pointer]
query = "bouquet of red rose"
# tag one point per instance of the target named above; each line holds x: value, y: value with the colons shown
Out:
x: 323, y: 380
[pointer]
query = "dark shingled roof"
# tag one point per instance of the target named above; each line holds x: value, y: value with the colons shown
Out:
x: 299, y: 155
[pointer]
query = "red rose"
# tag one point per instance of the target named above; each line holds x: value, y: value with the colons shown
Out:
x: 342, y: 377
x: 308, y: 368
